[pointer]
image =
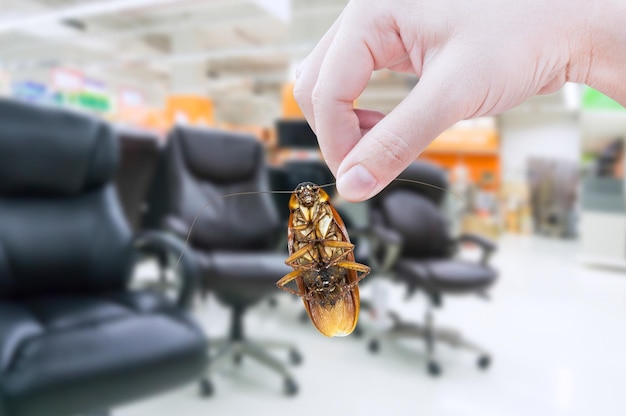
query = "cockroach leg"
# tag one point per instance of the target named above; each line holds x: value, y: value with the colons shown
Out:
x: 286, y: 279
x: 352, y: 265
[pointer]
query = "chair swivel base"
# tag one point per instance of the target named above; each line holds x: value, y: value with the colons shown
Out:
x: 431, y: 336
x: 229, y: 350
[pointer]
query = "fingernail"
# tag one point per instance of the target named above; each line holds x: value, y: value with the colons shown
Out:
x: 356, y: 184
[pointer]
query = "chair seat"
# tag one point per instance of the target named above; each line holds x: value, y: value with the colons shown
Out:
x: 446, y: 276
x: 63, y: 355
x: 242, y: 278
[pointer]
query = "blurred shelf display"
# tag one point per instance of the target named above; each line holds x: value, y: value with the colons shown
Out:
x: 603, y: 221
x: 515, y: 206
x: 189, y: 109
x: 475, y: 147
x: 553, y: 186
x: 469, y: 151
x: 603, y: 190
x: 487, y: 226
x: 35, y: 92
x: 88, y: 100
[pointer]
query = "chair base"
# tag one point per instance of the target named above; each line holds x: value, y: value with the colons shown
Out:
x: 431, y: 337
x: 236, y: 347
x: 235, y: 351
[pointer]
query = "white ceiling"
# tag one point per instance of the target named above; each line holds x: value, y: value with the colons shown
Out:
x: 236, y: 51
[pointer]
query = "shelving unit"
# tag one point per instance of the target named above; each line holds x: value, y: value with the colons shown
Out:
x: 603, y: 189
x: 477, y: 149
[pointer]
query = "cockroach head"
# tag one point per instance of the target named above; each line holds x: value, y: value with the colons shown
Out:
x: 307, y: 193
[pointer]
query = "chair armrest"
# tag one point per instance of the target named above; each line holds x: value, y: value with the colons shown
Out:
x: 487, y: 246
x: 391, y: 243
x: 170, y: 247
x: 176, y: 226
x: 386, y: 235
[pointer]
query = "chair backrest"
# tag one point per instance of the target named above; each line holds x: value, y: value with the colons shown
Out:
x: 413, y: 211
x: 61, y: 227
x: 433, y: 177
x: 139, y: 156
x: 202, y: 165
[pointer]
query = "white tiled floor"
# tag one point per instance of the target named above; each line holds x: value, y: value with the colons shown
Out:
x: 557, y: 332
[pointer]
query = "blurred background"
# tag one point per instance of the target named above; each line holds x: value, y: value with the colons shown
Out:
x: 544, y: 181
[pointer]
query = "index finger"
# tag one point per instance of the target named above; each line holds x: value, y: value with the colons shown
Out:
x: 344, y: 74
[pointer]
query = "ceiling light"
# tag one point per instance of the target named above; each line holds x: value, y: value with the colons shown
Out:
x: 280, y: 9
x: 76, y: 12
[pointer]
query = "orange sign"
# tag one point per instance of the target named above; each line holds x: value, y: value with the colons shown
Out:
x: 291, y: 109
x: 459, y: 140
x: 190, y: 109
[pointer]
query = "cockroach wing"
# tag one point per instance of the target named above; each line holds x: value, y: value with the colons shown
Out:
x: 340, y: 319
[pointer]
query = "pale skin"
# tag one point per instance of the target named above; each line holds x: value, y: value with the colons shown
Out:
x: 473, y: 58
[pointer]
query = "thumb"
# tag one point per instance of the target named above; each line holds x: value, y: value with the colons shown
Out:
x: 396, y: 141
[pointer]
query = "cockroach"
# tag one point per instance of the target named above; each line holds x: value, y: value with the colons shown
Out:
x: 322, y: 258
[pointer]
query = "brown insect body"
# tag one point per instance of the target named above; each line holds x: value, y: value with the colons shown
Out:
x: 322, y: 256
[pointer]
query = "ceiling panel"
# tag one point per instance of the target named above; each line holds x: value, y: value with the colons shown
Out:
x: 235, y: 43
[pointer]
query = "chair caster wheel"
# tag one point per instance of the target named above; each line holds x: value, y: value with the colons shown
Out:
x: 237, y: 359
x: 206, y: 388
x: 291, y: 388
x: 373, y: 346
x: 434, y: 369
x: 484, y: 361
x: 295, y: 357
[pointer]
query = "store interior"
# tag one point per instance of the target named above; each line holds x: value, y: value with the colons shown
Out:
x: 541, y: 186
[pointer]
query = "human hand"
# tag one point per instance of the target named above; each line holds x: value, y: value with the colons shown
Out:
x: 473, y: 58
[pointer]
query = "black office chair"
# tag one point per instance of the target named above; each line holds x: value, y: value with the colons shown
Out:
x: 279, y: 180
x: 419, y: 251
x: 73, y: 338
x: 140, y: 150
x: 234, y: 239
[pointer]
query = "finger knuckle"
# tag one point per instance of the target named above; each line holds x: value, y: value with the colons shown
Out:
x: 395, y: 149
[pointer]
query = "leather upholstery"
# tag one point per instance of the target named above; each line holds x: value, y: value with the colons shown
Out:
x: 61, y: 227
x: 72, y: 339
x: 234, y: 223
x: 426, y: 260
x: 140, y: 151
x: 78, y: 244
x: 232, y: 237
x: 212, y: 160
x: 64, y: 354
x: 426, y: 172
x: 446, y: 276
x: 32, y: 164
x: 242, y: 278
x: 419, y: 222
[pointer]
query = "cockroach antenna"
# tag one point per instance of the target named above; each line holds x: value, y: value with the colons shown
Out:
x: 214, y: 200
